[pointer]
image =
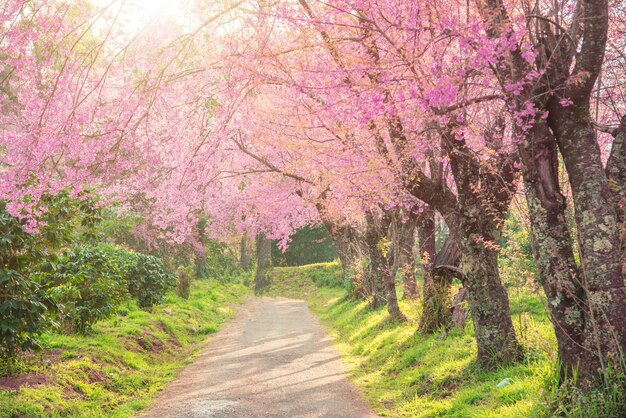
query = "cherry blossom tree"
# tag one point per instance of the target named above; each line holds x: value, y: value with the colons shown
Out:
x: 366, y: 116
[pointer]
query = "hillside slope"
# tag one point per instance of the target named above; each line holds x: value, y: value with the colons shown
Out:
x: 117, y: 369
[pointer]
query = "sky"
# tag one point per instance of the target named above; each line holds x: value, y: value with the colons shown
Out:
x: 137, y: 14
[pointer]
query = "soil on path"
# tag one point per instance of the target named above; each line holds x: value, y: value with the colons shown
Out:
x: 272, y: 360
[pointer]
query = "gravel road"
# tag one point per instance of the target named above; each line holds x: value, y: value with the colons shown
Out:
x: 272, y: 360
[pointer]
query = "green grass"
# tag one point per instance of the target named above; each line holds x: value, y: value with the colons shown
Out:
x: 405, y: 374
x: 117, y: 369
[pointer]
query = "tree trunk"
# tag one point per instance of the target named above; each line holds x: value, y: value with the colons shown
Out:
x: 264, y: 262
x: 392, y: 298
x: 346, y: 239
x: 599, y: 237
x: 244, y: 257
x: 404, y: 259
x: 435, y: 312
x: 381, y: 283
x: 484, y: 196
x: 457, y: 312
x: 374, y: 283
x: 587, y: 305
x: 348, y: 243
x: 552, y: 245
x: 488, y: 300
x: 616, y: 175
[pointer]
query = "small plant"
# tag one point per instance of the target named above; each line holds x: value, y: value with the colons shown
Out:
x: 605, y: 400
x: 148, y: 281
x: 183, y: 284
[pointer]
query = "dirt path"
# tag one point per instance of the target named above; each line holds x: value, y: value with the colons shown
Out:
x: 272, y: 360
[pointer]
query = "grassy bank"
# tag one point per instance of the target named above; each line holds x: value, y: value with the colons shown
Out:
x: 117, y: 369
x: 402, y: 373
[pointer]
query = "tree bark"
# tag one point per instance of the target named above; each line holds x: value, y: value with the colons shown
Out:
x: 373, y: 280
x: 457, y: 312
x: 616, y: 175
x: 552, y: 245
x: 404, y: 257
x: 347, y: 239
x: 435, y: 301
x: 484, y: 197
x: 587, y: 304
x: 488, y: 300
x: 264, y: 262
x: 244, y: 257
x: 599, y: 237
x: 380, y: 282
x: 344, y: 237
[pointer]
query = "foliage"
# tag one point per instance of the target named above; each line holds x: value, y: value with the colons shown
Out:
x: 148, y: 280
x: 606, y: 400
x: 64, y: 220
x: 218, y: 264
x: 24, y: 302
x: 324, y: 127
x: 308, y: 245
x: 21, y: 307
x: 118, y: 368
x: 22, y: 313
x: 327, y: 275
x: 87, y: 285
x: 516, y: 262
x: 70, y: 219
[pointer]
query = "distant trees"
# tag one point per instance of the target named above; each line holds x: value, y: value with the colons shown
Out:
x: 311, y: 244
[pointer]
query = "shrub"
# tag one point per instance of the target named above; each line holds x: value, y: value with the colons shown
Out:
x: 22, y: 302
x: 148, y: 281
x: 22, y: 313
x: 87, y: 284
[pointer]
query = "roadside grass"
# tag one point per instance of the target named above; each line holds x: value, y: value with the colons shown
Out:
x: 117, y: 369
x: 405, y: 374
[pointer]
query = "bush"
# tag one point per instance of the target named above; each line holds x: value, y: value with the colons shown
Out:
x: 22, y: 313
x: 22, y: 302
x: 148, y: 281
x: 87, y: 284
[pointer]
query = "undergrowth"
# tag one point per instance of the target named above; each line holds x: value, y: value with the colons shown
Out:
x: 125, y: 360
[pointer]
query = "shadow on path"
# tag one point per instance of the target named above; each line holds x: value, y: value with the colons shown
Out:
x: 272, y: 360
